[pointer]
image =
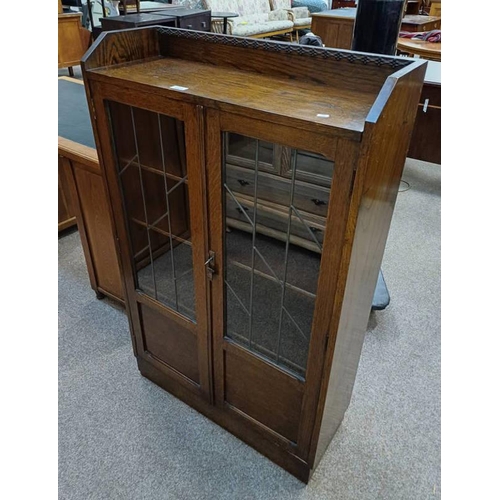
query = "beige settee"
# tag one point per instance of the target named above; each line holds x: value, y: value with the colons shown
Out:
x: 255, y: 18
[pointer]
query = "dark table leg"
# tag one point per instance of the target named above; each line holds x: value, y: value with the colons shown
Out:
x: 91, y: 17
x: 225, y: 26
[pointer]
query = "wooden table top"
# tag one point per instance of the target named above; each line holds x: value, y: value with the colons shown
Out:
x: 427, y: 50
x: 419, y: 20
x: 345, y: 12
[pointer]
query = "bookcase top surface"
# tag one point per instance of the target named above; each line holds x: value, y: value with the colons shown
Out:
x: 301, y: 100
x: 334, y: 91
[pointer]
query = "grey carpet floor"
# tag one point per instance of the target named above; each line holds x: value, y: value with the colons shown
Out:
x: 122, y: 437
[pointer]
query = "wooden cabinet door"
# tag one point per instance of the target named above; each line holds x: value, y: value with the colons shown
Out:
x: 153, y: 161
x: 271, y: 299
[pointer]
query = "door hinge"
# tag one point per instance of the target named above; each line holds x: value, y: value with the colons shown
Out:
x: 210, y: 265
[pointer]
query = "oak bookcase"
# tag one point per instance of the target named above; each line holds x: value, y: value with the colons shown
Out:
x: 252, y: 185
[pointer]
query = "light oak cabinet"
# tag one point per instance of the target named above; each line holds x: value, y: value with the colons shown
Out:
x: 82, y: 195
x: 252, y: 185
x: 73, y: 40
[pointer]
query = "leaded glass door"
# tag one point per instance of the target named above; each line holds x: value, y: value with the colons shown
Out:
x: 269, y: 239
x: 154, y: 170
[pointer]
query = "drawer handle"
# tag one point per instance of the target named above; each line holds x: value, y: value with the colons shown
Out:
x: 189, y: 26
x: 203, y: 24
x: 315, y: 229
x: 317, y: 202
x: 240, y: 210
x: 243, y: 182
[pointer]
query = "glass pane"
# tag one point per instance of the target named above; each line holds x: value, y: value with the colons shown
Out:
x: 315, y: 164
x: 273, y: 250
x: 241, y: 147
x: 310, y: 167
x: 151, y: 162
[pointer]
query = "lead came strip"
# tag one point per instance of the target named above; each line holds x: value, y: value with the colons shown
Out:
x: 168, y: 214
x: 256, y: 180
x: 144, y: 203
x: 292, y: 192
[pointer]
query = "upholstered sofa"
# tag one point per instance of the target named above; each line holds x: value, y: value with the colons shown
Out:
x: 299, y: 15
x: 311, y: 5
x: 256, y: 18
x: 187, y: 4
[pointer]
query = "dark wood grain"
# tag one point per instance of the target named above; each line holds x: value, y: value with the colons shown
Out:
x: 261, y: 58
x: 274, y: 93
x: 273, y: 98
x: 328, y: 284
x: 170, y: 343
x: 154, y: 187
x: 121, y: 47
x: 259, y: 391
x: 371, y: 206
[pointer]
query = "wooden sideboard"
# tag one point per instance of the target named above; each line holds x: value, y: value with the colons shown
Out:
x: 335, y: 27
x: 207, y: 142
x: 73, y: 40
x: 82, y: 196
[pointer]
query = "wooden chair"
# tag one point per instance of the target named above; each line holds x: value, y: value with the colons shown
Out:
x: 300, y: 16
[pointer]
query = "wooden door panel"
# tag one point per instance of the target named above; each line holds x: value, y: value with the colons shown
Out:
x: 170, y: 342
x: 156, y: 189
x: 98, y: 227
x: 263, y: 393
x: 268, y: 331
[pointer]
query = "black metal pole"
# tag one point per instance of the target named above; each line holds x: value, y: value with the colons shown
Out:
x: 377, y: 26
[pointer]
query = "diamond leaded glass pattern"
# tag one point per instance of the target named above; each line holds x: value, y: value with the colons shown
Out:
x: 270, y: 278
x: 151, y: 162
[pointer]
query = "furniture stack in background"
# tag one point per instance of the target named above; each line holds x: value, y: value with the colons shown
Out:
x: 73, y: 39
